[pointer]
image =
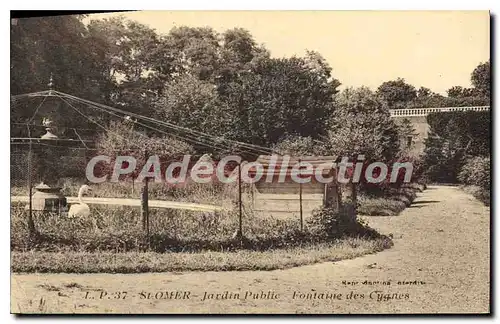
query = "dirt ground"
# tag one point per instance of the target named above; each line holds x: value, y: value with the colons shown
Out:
x: 440, y: 263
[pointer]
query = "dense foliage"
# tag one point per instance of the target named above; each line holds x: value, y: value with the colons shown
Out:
x: 476, y: 176
x: 476, y: 172
x: 361, y: 125
x: 224, y: 84
x: 453, y: 138
x: 398, y: 94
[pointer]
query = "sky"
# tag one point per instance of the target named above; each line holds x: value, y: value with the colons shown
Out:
x: 435, y: 49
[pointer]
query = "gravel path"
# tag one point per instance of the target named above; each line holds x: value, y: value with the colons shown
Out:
x: 441, y: 259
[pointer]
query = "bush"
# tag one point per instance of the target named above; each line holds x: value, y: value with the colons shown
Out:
x: 476, y: 172
x: 328, y: 222
x: 299, y: 145
x: 476, y: 175
x: 124, y: 138
x: 380, y: 189
x: 452, y: 137
x: 390, y: 202
x: 479, y: 193
x: 380, y: 206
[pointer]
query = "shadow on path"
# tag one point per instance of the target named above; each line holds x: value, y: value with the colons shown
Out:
x: 420, y: 202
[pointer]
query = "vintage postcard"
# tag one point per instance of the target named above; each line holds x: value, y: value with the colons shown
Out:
x: 250, y: 162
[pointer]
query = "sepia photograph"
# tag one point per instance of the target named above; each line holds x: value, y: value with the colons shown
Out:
x: 250, y: 162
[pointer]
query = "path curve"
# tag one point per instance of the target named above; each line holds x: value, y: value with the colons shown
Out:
x: 442, y: 240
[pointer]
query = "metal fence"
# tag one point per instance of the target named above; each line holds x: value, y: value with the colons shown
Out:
x: 184, y: 211
x: 147, y: 204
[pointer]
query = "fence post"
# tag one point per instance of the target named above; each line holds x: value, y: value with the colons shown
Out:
x: 240, y: 205
x: 332, y: 194
x: 144, y: 205
x: 31, y: 223
x: 300, y: 202
x: 354, y: 199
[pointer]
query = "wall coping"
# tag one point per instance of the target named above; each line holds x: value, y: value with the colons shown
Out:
x: 416, y: 112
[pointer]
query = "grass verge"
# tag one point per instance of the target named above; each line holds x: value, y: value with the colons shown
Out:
x: 481, y: 194
x: 391, y: 203
x: 137, y: 262
x: 119, y: 230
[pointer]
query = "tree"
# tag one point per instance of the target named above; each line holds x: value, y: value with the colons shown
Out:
x: 299, y: 145
x: 453, y: 138
x: 479, y: 94
x: 59, y: 47
x: 196, y: 50
x: 133, y: 60
x: 361, y: 125
x: 223, y: 84
x: 279, y: 97
x: 193, y: 103
x: 406, y: 134
x: 239, y: 55
x: 257, y: 101
x: 424, y: 92
x: 45, y: 46
x: 461, y: 92
x: 397, y: 94
x: 124, y: 138
x: 455, y: 92
x: 238, y: 49
x: 480, y: 78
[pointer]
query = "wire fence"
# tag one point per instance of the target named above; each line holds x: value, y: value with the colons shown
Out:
x: 46, y: 162
x: 187, y: 211
x: 131, y: 203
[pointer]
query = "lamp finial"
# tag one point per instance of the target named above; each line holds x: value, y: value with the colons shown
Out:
x: 51, y: 81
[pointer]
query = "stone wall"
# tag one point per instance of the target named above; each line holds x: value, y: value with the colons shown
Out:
x: 421, y: 131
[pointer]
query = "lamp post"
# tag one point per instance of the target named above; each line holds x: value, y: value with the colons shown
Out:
x: 48, y: 196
